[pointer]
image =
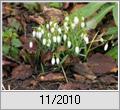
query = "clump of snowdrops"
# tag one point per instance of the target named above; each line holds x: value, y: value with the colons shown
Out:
x: 71, y: 35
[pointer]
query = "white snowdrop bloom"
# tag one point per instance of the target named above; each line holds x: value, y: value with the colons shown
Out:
x: 51, y: 23
x: 54, y: 39
x: 48, y: 44
x: 30, y: 44
x: 65, y: 24
x: 47, y: 26
x: 67, y: 18
x: 39, y: 28
x: 59, y: 30
x: 76, y: 20
x: 66, y: 28
x: 73, y: 25
x: 53, y: 61
x: 57, y: 60
x: 49, y: 41
x: 82, y: 35
x: 106, y: 47
x: 44, y: 41
x: 42, y: 31
x: 39, y: 35
x: 64, y: 37
x: 101, y: 39
x: 86, y: 39
x: 34, y: 33
x: 83, y: 18
x: 58, y: 39
x: 52, y: 30
x: 77, y: 50
x: 69, y: 44
x: 82, y: 24
x: 55, y: 24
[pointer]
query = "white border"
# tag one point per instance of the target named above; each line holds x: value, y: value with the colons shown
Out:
x: 58, y: 90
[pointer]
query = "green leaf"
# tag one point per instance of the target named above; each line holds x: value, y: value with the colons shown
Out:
x: 115, y: 14
x: 113, y: 52
x: 31, y: 6
x: 112, y: 31
x: 16, y: 42
x: 88, y: 10
x: 5, y: 49
x: 55, y: 4
x: 91, y: 24
x: 14, y: 52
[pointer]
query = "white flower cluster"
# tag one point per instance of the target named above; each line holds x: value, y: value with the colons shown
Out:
x: 52, y: 35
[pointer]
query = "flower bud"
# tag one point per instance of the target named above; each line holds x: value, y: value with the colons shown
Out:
x: 47, y: 26
x: 67, y: 18
x: 57, y: 60
x: 64, y: 37
x: 53, y: 61
x: 34, y: 33
x: 51, y: 23
x: 76, y: 20
x: 44, y: 41
x: 52, y: 30
x: 42, y: 31
x: 106, y: 47
x: 54, y: 39
x: 69, y: 44
x: 86, y: 39
x: 77, y: 50
x: 58, y: 39
x: 83, y: 18
x: 82, y: 24
x: 30, y: 44
x: 59, y: 30
x: 73, y: 25
x: 101, y: 39
x: 39, y: 35
x: 65, y: 24
x: 39, y: 28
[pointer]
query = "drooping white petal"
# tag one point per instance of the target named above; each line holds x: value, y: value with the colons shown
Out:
x: 69, y: 44
x: 101, y: 39
x: 39, y: 35
x: 67, y: 18
x: 83, y: 18
x: 86, y: 39
x: 106, y: 47
x: 76, y: 20
x: 64, y: 37
x: 77, y: 50
x: 39, y: 28
x: 44, y: 41
x: 53, y: 61
x: 30, y: 44
x: 54, y: 39
x: 65, y: 24
x: 73, y: 25
x: 51, y: 23
x: 82, y: 24
x: 59, y: 30
x: 52, y: 29
x: 47, y: 26
x: 34, y: 33
x: 58, y: 39
x: 55, y: 24
x: 57, y: 60
x: 42, y: 31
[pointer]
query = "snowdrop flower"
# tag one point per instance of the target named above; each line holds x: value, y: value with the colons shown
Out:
x: 57, y: 60
x: 42, y: 31
x: 52, y: 30
x: 47, y: 26
x: 106, y: 47
x: 55, y: 24
x: 82, y: 35
x: 77, y: 50
x: 39, y: 28
x: 44, y: 41
x: 66, y: 28
x: 58, y: 39
x: 30, y: 44
x: 82, y: 24
x: 67, y: 18
x: 48, y: 44
x: 53, y: 61
x: 76, y: 20
x: 83, y: 18
x: 39, y: 35
x: 86, y: 39
x: 54, y: 39
x: 64, y: 37
x: 69, y: 44
x: 73, y: 25
x: 65, y: 24
x: 51, y: 23
x: 34, y: 33
x: 59, y: 30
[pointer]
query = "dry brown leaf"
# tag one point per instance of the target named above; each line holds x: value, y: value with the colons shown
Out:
x: 79, y: 78
x: 52, y: 77
x: 22, y: 72
x: 101, y: 64
x: 74, y: 86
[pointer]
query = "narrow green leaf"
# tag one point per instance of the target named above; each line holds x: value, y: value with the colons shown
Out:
x: 88, y: 10
x: 91, y: 24
x: 115, y: 14
x: 55, y: 4
x: 113, y: 52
